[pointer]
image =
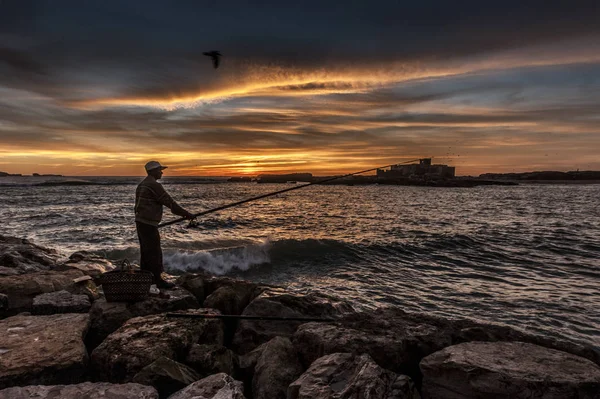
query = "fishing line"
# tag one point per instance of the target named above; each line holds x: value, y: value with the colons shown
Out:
x: 220, y: 208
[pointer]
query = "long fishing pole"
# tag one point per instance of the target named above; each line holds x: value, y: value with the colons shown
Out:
x: 244, y: 317
x: 220, y: 208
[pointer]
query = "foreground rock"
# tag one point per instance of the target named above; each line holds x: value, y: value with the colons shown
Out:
x: 60, y: 302
x: 211, y: 359
x: 344, y: 375
x: 86, y: 390
x: 246, y: 366
x: 166, y: 375
x: 251, y: 333
x: 43, y: 349
x: 21, y: 289
x: 216, y: 386
x: 107, y: 317
x: 276, y: 368
x: 20, y: 256
x: 393, y: 342
x: 228, y: 295
x: 143, y: 340
x: 508, y: 370
x: 90, y: 264
x: 398, y: 341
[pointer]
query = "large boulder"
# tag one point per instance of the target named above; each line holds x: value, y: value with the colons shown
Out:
x: 511, y: 370
x: 277, y: 367
x: 142, y: 340
x: 107, y: 317
x: 463, y: 330
x: 273, y: 302
x: 60, y: 302
x: 194, y: 283
x: 398, y: 340
x: 216, y: 386
x: 20, y: 256
x: 43, y: 349
x: 344, y: 375
x: 394, y: 344
x: 211, y: 359
x: 21, y: 289
x: 166, y: 375
x: 87, y: 390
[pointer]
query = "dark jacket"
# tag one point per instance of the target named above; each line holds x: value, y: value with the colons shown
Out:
x: 150, y: 197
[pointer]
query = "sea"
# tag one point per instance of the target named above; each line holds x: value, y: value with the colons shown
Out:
x: 525, y: 256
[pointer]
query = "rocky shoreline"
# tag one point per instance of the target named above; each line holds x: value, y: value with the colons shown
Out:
x: 59, y: 338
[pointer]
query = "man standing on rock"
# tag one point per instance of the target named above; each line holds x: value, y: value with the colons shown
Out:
x: 150, y: 197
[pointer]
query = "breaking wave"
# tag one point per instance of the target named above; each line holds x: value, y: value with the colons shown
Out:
x: 218, y: 261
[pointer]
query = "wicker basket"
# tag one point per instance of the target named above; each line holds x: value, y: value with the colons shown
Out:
x: 127, y: 284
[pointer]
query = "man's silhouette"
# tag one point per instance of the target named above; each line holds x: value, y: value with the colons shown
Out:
x: 150, y: 197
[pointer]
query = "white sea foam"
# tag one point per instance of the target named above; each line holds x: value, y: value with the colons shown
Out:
x: 219, y: 261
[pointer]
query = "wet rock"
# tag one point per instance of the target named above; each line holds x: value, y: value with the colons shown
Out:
x: 107, y: 317
x: 344, y: 375
x: 142, y: 340
x: 508, y: 370
x: 20, y: 256
x: 252, y: 333
x: 87, y: 390
x: 462, y: 330
x: 60, y: 302
x: 43, y: 349
x: 21, y: 289
x: 493, y: 333
x: 166, y: 375
x: 277, y: 367
x: 90, y: 264
x: 211, y: 359
x: 216, y: 386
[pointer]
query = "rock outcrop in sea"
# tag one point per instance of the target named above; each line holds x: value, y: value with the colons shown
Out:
x: 59, y: 337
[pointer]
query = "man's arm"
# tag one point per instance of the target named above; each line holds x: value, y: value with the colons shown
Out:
x: 165, y: 199
x: 179, y: 211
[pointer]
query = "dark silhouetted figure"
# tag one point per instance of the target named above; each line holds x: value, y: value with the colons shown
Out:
x: 216, y: 57
x: 150, y: 197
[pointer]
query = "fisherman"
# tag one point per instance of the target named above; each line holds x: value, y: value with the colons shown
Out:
x: 150, y: 197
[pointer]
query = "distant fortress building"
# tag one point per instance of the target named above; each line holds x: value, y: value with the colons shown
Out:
x: 422, y: 170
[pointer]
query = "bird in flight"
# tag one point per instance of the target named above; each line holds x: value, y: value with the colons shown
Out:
x: 216, y: 57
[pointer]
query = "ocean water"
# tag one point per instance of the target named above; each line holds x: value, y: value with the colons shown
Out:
x: 525, y: 256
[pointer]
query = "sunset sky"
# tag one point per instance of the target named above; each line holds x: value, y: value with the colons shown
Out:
x: 100, y: 87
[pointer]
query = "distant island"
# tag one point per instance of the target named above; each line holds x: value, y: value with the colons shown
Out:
x: 425, y: 173
x: 544, y: 175
x: 47, y: 175
x: 4, y: 174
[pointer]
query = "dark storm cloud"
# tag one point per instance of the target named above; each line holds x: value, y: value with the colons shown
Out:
x: 20, y: 61
x: 148, y: 48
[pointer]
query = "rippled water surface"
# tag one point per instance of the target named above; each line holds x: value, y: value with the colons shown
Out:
x: 525, y: 256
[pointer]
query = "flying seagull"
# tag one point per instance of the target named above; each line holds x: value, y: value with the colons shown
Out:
x: 215, y: 55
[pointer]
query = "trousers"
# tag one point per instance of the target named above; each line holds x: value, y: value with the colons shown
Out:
x: 150, y: 250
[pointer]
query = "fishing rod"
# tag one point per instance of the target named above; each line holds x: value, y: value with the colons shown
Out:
x: 220, y: 208
x: 244, y: 317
